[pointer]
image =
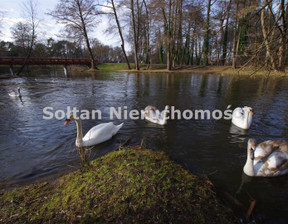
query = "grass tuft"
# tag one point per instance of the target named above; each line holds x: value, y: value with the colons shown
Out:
x: 127, y: 186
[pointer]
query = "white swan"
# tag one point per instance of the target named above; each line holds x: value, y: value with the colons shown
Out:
x: 14, y: 93
x: 154, y: 115
x: 267, y: 159
x: 96, y: 135
x: 242, y: 117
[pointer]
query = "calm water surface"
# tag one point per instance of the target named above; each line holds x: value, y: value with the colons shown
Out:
x: 32, y: 148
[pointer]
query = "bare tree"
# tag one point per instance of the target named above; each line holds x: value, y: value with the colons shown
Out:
x: 135, y: 29
x: 21, y: 33
x: 235, y: 42
x: 167, y: 13
x: 26, y: 32
x: 120, y: 33
x: 280, y: 24
x: 275, y: 34
x: 190, y: 32
x: 265, y: 35
x: 147, y: 35
x: 178, y: 33
x: 207, y: 35
x: 225, y: 35
x: 283, y: 35
x: 79, y: 18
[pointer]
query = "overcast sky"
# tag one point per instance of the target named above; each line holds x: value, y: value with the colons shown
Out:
x: 13, y: 12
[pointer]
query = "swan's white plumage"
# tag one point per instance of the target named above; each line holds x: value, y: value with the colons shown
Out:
x: 100, y: 133
x: 242, y: 117
x: 96, y: 135
x: 269, y: 158
x: 153, y: 115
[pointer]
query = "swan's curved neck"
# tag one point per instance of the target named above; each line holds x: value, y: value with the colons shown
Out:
x: 164, y: 117
x: 247, y: 118
x: 249, y: 168
x: 79, y: 138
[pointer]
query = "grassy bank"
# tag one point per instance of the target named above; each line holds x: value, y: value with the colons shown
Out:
x: 159, y: 68
x: 127, y: 186
x: 154, y: 68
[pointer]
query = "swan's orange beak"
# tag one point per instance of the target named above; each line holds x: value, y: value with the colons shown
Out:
x: 251, y: 112
x: 67, y: 121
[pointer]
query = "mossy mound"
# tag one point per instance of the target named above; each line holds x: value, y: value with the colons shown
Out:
x: 127, y: 186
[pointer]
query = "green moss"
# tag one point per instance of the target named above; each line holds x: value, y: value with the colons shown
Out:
x: 124, y: 186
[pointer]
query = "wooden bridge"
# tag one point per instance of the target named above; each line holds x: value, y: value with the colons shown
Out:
x: 44, y: 61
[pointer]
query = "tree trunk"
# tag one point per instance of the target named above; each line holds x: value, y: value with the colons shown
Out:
x: 207, y: 35
x: 134, y: 36
x: 186, y: 52
x: 225, y: 38
x: 173, y: 50
x: 93, y: 66
x: 31, y: 9
x: 283, y: 39
x: 193, y: 50
x: 235, y: 45
x: 160, y: 45
x: 265, y: 36
x: 29, y: 51
x: 218, y: 47
x: 147, y: 31
x: 179, y: 36
x: 191, y: 60
x: 120, y: 34
x: 169, y: 37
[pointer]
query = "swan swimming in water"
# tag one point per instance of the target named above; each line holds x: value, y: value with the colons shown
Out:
x: 15, y: 93
x: 269, y: 158
x: 96, y: 135
x: 242, y: 117
x: 152, y: 114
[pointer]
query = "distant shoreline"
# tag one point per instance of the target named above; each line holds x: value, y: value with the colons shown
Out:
x: 156, y: 68
x: 161, y: 68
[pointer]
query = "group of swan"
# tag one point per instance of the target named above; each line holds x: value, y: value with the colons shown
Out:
x: 267, y: 159
x: 241, y: 117
x: 105, y: 131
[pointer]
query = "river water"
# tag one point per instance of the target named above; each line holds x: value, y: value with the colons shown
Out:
x: 32, y: 147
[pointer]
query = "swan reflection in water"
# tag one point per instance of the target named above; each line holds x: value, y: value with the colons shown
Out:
x: 237, y: 134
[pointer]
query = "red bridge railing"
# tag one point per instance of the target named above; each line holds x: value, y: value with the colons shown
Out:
x: 45, y: 61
